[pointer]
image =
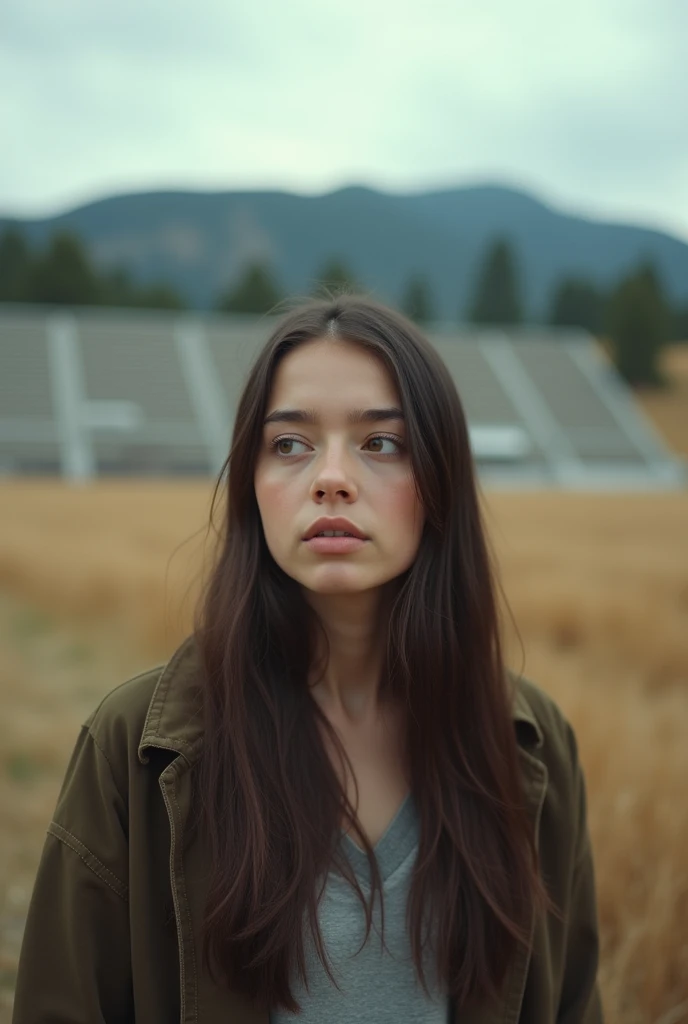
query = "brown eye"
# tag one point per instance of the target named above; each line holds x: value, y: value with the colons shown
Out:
x: 384, y: 437
x: 274, y: 445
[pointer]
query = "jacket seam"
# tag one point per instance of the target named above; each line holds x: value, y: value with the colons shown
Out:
x: 89, y: 858
x: 112, y: 770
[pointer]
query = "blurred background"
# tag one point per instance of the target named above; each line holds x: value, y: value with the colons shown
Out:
x: 514, y: 177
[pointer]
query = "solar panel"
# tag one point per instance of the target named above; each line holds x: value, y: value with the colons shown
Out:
x: 29, y: 435
x: 88, y: 392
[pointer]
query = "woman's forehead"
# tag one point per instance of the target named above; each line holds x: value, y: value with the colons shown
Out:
x: 319, y: 372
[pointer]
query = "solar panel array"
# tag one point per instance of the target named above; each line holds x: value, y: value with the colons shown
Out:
x: 96, y: 392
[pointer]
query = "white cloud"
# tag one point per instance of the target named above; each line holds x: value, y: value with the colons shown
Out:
x: 581, y: 104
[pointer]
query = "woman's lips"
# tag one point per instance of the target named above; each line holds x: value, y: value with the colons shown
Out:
x: 335, y: 545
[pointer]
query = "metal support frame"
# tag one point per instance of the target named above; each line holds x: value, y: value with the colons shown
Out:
x: 68, y: 391
x: 204, y: 387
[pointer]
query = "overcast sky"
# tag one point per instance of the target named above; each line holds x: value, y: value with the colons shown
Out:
x: 585, y: 104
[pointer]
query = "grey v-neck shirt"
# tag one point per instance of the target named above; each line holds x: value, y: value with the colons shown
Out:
x: 376, y: 984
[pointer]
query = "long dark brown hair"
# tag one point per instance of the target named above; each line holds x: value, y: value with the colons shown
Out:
x: 268, y: 797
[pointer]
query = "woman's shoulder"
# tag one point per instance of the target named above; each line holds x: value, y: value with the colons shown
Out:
x: 116, y: 724
x: 556, y: 742
x: 126, y: 704
x: 548, y: 710
x: 563, y: 823
x: 157, y: 707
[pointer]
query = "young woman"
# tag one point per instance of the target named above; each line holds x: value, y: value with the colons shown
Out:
x: 335, y: 801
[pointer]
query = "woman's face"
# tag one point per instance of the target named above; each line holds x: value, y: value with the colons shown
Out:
x: 333, y: 467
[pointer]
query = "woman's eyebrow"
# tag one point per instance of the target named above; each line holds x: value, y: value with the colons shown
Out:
x: 353, y: 417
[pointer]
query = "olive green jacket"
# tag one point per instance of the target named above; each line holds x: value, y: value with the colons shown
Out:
x: 112, y: 933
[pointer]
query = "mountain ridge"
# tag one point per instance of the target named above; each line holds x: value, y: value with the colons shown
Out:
x: 200, y: 240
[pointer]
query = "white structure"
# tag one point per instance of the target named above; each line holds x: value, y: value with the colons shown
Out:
x: 88, y: 392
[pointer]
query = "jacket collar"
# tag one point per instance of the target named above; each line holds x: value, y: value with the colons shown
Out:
x: 174, y: 720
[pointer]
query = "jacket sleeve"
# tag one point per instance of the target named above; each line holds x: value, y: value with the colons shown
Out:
x: 75, y: 961
x: 580, y: 1001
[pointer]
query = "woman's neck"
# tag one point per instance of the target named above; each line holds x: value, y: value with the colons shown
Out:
x: 347, y: 685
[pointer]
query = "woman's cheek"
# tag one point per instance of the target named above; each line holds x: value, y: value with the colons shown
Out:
x: 401, y: 504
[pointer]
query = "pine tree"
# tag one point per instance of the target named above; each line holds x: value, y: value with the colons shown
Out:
x: 256, y: 292
x: 335, y: 277
x: 577, y: 302
x: 15, y: 266
x: 639, y: 325
x: 416, y: 300
x: 119, y: 289
x: 63, y: 274
x: 679, y: 329
x: 497, y: 299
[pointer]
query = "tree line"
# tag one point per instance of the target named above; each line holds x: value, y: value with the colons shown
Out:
x: 63, y: 273
x: 634, y: 315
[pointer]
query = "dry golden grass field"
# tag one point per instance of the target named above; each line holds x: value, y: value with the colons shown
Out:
x: 668, y: 408
x: 97, y: 583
